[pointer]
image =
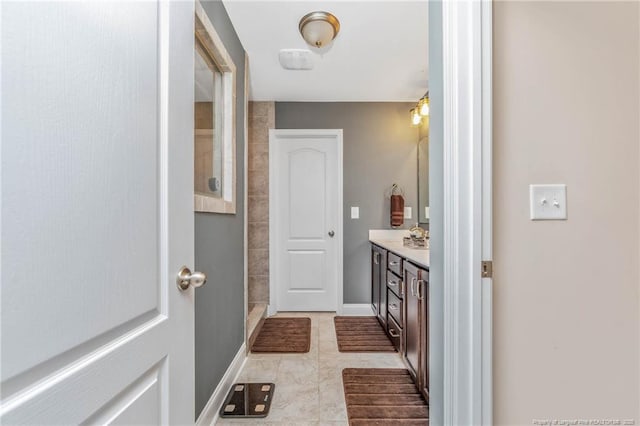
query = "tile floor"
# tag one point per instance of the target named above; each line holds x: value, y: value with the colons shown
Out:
x: 309, y: 386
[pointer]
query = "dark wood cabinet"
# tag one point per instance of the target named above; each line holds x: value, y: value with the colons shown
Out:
x: 378, y: 283
x: 416, y: 326
x: 395, y: 332
x: 423, y: 370
x: 412, y: 323
x: 394, y: 283
x: 394, y: 263
x: 395, y: 309
x: 400, y: 300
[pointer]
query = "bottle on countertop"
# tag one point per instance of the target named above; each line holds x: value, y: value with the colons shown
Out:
x: 418, y: 232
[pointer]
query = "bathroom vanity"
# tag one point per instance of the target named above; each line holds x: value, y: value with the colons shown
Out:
x: 400, y: 300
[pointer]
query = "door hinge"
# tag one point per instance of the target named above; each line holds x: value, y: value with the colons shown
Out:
x: 487, y: 269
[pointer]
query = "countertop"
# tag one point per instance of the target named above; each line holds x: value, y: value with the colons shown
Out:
x: 418, y: 256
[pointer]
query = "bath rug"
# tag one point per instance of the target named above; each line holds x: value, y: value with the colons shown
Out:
x: 283, y: 335
x: 361, y: 334
x: 383, y: 396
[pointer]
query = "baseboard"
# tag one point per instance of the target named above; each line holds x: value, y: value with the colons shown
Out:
x: 209, y: 414
x: 356, y: 309
x: 271, y: 310
x: 347, y: 309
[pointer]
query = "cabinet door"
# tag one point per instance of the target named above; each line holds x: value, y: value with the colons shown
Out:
x: 382, y: 306
x: 423, y: 295
x: 376, y: 267
x: 382, y: 311
x: 412, y: 321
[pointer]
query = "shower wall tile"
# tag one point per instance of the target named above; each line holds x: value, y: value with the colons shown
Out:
x: 258, y: 289
x: 261, y: 119
x: 258, y: 209
x: 258, y: 235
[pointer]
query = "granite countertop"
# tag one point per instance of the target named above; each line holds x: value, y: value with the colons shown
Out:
x: 417, y: 256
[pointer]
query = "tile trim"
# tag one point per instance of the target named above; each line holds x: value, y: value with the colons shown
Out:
x: 210, y: 412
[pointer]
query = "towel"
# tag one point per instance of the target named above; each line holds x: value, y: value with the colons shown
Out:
x: 397, y: 210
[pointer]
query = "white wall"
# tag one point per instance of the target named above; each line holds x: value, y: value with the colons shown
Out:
x: 566, y: 319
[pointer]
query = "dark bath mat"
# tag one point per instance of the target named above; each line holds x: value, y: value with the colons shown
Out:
x: 283, y: 335
x: 383, y: 396
x: 248, y: 400
x: 361, y: 334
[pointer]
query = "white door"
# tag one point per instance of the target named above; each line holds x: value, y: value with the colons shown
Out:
x: 306, y: 219
x: 97, y: 213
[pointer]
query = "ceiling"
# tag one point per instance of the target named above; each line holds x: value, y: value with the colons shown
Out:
x: 380, y: 53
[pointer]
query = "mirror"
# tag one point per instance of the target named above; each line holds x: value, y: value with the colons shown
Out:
x: 208, y: 176
x: 214, y: 121
x: 423, y: 173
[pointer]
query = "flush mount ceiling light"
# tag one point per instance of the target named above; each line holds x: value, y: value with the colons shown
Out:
x: 319, y: 28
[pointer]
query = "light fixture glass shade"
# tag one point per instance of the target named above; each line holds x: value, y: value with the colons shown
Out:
x: 319, y: 28
x: 423, y: 107
x: 415, y: 117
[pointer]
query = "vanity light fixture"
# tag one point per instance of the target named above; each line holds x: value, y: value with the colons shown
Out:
x: 423, y: 105
x: 421, y: 110
x: 416, y: 118
x: 319, y: 28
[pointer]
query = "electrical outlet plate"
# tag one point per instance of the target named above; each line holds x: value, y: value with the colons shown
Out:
x: 548, y: 202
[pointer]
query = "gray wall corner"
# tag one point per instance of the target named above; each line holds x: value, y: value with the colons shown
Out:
x: 219, y: 250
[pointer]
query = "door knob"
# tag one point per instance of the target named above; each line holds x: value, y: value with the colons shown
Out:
x: 187, y: 279
x: 331, y: 234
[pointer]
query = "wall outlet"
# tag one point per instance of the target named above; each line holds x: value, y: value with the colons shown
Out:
x: 548, y: 202
x: 407, y: 212
x: 355, y: 212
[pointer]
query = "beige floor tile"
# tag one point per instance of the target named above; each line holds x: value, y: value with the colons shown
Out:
x: 259, y: 370
x: 297, y: 372
x: 331, y: 400
x: 327, y: 348
x: 309, y: 386
x: 297, y: 402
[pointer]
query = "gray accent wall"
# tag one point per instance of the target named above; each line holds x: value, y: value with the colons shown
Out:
x: 380, y: 148
x: 219, y: 251
x: 436, y: 213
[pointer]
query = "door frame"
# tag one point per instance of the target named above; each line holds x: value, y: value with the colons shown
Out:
x: 467, y: 204
x: 274, y: 273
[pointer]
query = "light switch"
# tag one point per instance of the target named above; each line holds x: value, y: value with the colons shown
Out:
x: 548, y: 202
x: 407, y: 212
x: 426, y: 212
x: 355, y: 212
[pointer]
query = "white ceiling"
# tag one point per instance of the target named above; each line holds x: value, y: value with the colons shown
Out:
x: 380, y: 53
